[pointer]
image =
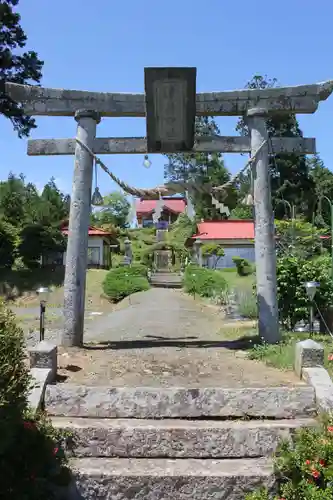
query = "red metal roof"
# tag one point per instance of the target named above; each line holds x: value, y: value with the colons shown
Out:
x: 176, y: 206
x: 226, y: 230
x: 93, y: 231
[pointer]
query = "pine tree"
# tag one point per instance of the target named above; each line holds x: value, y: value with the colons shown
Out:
x: 16, y: 66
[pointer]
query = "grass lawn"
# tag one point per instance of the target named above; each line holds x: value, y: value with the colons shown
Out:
x: 280, y: 355
x: 237, y: 282
x: 22, y: 286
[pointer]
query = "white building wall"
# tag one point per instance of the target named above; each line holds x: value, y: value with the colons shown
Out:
x: 229, y: 253
x: 95, y: 251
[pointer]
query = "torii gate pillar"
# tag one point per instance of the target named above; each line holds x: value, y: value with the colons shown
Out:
x: 265, y: 251
x: 77, y: 247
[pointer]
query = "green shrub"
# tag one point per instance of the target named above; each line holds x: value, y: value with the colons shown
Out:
x: 133, y: 270
x: 32, y: 458
x: 116, y: 260
x: 243, y: 266
x: 137, y: 269
x: 292, y: 272
x: 304, y: 467
x: 203, y: 282
x: 247, y: 304
x: 123, y: 281
x: 298, y: 237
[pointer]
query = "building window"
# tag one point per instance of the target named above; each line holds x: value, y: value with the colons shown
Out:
x: 147, y: 223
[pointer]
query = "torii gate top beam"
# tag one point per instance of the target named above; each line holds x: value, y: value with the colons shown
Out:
x: 39, y: 101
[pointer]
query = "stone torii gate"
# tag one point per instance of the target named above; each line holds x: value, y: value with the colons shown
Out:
x: 88, y: 107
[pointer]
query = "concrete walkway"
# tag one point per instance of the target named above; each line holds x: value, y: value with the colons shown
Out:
x: 164, y: 338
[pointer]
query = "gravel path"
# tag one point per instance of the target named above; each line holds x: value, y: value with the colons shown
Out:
x: 163, y: 338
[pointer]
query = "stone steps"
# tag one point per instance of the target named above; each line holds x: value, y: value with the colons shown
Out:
x: 171, y: 438
x: 148, y: 443
x: 164, y: 479
x: 166, y: 280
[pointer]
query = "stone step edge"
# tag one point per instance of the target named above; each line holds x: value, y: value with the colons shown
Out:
x: 148, y: 402
x: 178, y: 438
x: 165, y: 479
x: 166, y: 467
x: 179, y: 424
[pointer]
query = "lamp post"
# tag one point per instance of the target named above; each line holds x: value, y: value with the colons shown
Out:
x: 311, y: 288
x: 43, y: 294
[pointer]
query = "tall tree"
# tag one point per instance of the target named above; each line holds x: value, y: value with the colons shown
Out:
x: 12, y: 199
x: 38, y: 240
x: 290, y: 177
x: 54, y: 203
x: 116, y: 211
x: 323, y: 183
x: 203, y: 170
x: 16, y: 66
x: 21, y: 204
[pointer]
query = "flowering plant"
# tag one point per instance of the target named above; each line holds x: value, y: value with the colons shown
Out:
x: 32, y: 458
x: 304, y: 467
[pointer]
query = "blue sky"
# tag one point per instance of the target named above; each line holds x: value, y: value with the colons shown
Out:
x: 105, y: 45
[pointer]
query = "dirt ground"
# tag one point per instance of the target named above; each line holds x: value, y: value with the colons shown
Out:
x: 165, y: 338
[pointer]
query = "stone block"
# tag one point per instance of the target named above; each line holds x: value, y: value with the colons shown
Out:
x: 308, y: 354
x: 40, y: 378
x: 169, y: 438
x: 164, y: 479
x: 176, y: 402
x: 45, y: 355
x: 322, y: 383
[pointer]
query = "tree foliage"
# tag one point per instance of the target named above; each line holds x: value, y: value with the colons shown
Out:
x: 17, y: 65
x: 7, y: 245
x: 242, y: 212
x: 298, y: 237
x: 116, y: 211
x: 322, y: 178
x: 292, y: 272
x: 29, y: 221
x: 202, y: 170
x: 38, y: 240
x: 289, y: 173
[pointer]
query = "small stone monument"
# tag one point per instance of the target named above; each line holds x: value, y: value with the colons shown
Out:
x: 128, y: 252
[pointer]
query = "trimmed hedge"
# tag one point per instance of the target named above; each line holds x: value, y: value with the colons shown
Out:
x: 123, y: 281
x: 203, y: 282
x: 32, y: 458
x: 243, y: 266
